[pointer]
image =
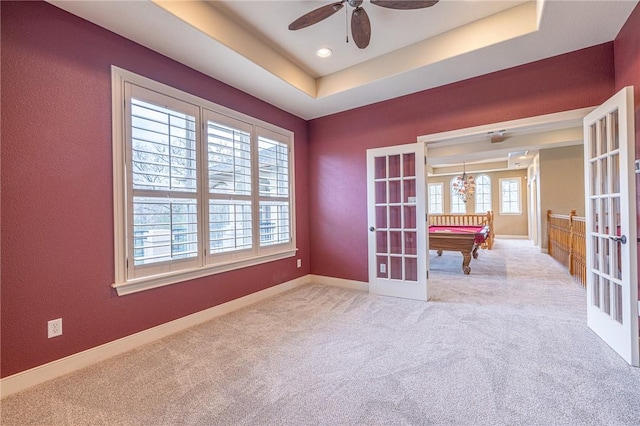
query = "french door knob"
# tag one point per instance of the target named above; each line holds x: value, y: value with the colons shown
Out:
x: 622, y: 239
x: 372, y: 229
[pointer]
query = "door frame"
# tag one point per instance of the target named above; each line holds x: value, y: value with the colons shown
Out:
x: 478, y: 134
x: 451, y: 144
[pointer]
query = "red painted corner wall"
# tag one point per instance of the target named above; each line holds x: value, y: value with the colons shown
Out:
x: 57, y: 209
x: 627, y: 67
x: 338, y: 143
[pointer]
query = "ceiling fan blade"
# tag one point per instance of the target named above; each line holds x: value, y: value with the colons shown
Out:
x: 316, y: 16
x: 360, y: 27
x: 404, y: 4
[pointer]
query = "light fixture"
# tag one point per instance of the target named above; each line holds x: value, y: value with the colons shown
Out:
x: 324, y: 52
x: 464, y: 186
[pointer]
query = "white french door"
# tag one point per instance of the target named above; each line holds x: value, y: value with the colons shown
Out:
x: 612, y: 275
x: 396, y: 204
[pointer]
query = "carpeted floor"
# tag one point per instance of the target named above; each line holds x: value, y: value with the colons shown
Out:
x: 506, y: 345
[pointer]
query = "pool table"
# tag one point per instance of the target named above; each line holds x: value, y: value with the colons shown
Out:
x: 465, y: 239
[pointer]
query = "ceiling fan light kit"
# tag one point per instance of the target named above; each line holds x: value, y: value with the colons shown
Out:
x: 360, y: 23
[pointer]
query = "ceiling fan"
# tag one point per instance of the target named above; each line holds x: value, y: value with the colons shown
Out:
x: 360, y: 24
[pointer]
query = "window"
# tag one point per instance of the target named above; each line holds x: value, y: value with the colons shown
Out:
x: 510, y: 196
x: 457, y: 205
x: 198, y: 189
x: 483, y: 194
x: 435, y: 198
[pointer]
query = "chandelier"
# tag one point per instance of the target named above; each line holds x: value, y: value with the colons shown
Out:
x: 463, y: 186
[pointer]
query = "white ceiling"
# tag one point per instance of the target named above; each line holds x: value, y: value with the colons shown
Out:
x: 246, y: 44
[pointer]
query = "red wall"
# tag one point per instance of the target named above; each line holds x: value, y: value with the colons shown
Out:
x: 57, y: 225
x: 57, y: 220
x: 338, y: 143
x: 627, y: 66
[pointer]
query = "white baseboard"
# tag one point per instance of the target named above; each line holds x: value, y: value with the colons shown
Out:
x: 60, y: 367
x: 512, y: 237
x: 339, y: 282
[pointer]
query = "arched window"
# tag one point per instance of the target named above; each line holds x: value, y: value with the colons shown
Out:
x: 457, y: 204
x: 483, y: 194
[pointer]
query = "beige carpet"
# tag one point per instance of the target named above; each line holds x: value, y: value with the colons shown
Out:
x: 506, y: 345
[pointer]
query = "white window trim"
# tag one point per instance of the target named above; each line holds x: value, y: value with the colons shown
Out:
x: 125, y: 286
x: 519, y: 212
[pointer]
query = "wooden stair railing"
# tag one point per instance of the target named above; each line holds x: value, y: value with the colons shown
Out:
x: 567, y: 243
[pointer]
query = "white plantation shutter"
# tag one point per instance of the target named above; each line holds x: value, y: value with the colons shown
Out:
x: 164, y: 223
x: 198, y: 188
x: 229, y: 174
x: 275, y: 217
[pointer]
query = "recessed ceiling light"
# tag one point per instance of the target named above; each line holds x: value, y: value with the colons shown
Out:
x: 324, y: 52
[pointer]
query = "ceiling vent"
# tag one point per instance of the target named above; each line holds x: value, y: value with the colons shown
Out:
x: 497, y: 136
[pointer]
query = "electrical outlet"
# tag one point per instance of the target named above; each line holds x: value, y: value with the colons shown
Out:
x: 54, y: 328
x: 299, y: 263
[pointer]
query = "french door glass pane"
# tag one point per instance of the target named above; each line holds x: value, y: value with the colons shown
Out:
x: 409, y: 217
x: 604, y: 175
x: 381, y: 192
x: 382, y: 246
x: 409, y: 191
x: 381, y: 217
x: 617, y: 302
x: 602, y: 137
x: 395, y: 217
x: 606, y: 295
x: 593, y: 142
x: 411, y: 269
x: 410, y: 239
x: 381, y: 168
x: 594, y: 177
x: 616, y: 231
x: 615, y: 131
x: 595, y: 296
x: 394, y: 191
x: 396, y: 268
x: 382, y: 269
x: 394, y: 166
x: 395, y: 242
x: 409, y: 165
x: 615, y: 173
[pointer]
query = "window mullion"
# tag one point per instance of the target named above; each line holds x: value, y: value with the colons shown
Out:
x: 203, y: 187
x: 255, y: 190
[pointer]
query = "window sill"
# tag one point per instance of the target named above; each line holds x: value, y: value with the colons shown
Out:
x: 161, y: 280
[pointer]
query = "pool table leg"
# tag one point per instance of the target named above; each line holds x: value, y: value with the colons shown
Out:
x: 465, y: 262
x: 475, y: 251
